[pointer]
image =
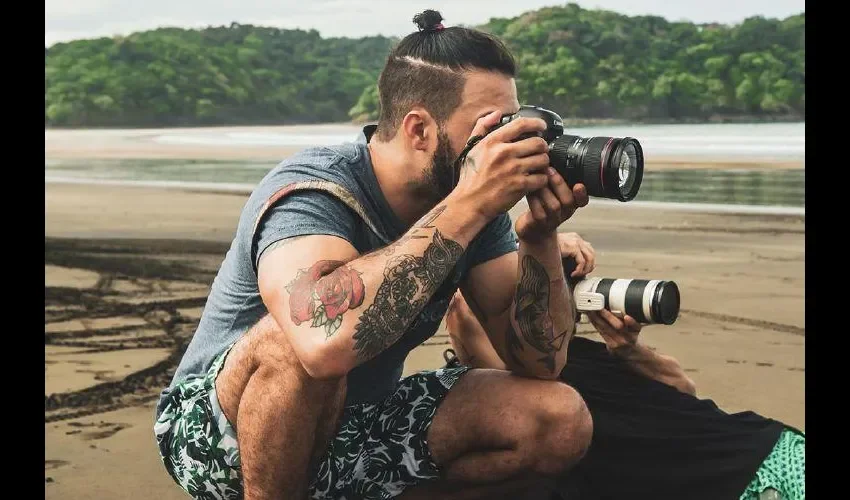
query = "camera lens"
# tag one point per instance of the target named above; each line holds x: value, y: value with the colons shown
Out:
x: 665, y: 303
x: 609, y: 167
x: 628, y: 168
x: 647, y: 301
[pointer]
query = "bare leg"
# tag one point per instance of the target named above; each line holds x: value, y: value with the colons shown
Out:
x: 284, y: 419
x: 469, y: 340
x: 494, y: 426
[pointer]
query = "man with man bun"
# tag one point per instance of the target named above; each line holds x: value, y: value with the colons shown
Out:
x: 345, y: 259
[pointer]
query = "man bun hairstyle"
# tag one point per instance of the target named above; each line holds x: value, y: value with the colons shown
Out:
x: 427, y: 68
x: 430, y: 20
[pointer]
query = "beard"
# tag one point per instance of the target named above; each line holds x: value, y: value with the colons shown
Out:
x: 439, y: 178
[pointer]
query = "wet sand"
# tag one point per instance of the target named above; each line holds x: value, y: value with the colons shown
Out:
x: 127, y: 270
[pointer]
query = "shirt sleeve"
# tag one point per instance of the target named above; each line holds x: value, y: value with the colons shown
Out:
x: 304, y: 213
x: 496, y: 239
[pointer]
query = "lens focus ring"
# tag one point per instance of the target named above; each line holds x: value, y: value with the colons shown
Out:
x: 592, y: 165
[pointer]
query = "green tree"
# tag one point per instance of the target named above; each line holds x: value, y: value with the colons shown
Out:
x: 582, y: 63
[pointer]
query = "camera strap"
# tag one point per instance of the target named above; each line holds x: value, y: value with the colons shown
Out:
x: 475, y: 139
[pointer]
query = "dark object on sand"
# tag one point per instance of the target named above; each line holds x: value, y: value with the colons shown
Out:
x: 652, y: 442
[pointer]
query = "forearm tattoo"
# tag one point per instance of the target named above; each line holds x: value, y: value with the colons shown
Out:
x: 409, y: 282
x: 532, y: 316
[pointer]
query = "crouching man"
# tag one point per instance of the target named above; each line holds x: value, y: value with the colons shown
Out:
x: 344, y: 260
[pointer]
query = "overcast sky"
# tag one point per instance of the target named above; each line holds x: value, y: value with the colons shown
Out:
x: 72, y: 19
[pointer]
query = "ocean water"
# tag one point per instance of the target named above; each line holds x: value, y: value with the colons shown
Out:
x: 786, y: 141
x: 780, y: 187
x: 763, y: 187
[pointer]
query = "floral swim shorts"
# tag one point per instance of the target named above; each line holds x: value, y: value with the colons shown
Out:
x: 379, y: 449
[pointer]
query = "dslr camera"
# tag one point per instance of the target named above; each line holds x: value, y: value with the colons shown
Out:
x: 609, y: 167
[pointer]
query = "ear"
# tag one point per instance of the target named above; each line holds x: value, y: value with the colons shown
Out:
x: 420, y: 129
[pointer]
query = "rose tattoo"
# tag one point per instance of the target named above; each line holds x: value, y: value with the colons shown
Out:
x: 323, y: 293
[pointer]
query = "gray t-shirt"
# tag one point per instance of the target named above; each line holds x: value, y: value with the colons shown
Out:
x: 276, y: 211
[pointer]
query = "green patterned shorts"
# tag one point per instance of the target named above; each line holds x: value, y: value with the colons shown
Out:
x: 784, y: 470
x: 379, y: 449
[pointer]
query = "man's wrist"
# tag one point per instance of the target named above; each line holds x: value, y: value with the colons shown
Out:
x: 537, y: 239
x: 469, y: 207
x: 466, y: 219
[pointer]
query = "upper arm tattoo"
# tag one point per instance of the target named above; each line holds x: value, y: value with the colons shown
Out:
x: 532, y: 315
x: 323, y: 293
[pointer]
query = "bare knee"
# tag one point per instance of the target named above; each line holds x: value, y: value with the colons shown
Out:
x: 264, y: 357
x: 275, y: 359
x: 563, y: 430
x: 271, y: 350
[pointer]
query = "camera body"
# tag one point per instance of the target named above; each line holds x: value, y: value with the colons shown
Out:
x: 609, y: 167
x: 554, y: 123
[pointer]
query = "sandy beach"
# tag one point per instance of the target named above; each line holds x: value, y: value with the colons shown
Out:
x: 127, y: 270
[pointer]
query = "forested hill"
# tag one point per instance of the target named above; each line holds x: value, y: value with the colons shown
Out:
x: 582, y: 63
